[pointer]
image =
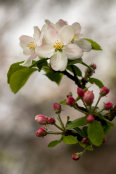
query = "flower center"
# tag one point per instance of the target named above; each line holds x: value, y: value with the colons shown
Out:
x: 32, y: 45
x: 75, y: 36
x: 58, y: 45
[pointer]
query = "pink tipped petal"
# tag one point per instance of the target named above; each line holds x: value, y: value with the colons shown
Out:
x: 77, y: 28
x: 60, y: 24
x: 45, y: 50
x: 33, y: 56
x: 50, y: 34
x: 25, y: 39
x: 36, y: 34
x: 66, y: 34
x: 83, y: 44
x: 49, y: 23
x: 72, y: 51
x: 59, y: 61
x: 27, y: 63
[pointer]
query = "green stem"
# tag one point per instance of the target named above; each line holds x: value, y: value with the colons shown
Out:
x: 55, y: 133
x: 61, y: 123
x: 84, y: 104
x: 97, y: 103
x: 58, y: 127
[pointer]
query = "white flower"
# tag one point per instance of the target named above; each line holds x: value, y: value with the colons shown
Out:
x: 83, y: 44
x: 59, y: 47
x: 28, y: 44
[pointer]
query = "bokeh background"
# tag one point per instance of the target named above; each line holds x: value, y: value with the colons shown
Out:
x: 21, y: 152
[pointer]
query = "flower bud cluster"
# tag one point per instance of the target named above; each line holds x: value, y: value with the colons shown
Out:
x: 89, y: 72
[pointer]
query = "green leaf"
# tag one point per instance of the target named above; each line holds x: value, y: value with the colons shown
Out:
x: 71, y: 62
x: 106, y: 128
x: 14, y: 67
x: 97, y: 82
x: 95, y: 133
x: 109, y: 123
x: 89, y: 147
x: 76, y: 123
x: 39, y: 62
x: 19, y: 78
x: 55, y: 76
x: 88, y: 66
x: 95, y: 46
x: 77, y: 70
x: 63, y: 102
x: 70, y: 139
x: 79, y: 131
x: 84, y: 129
x: 54, y: 143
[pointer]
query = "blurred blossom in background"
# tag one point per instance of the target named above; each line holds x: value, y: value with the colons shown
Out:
x: 20, y: 150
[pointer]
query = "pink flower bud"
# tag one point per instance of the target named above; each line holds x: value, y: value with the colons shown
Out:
x: 41, y: 119
x: 57, y: 108
x: 75, y: 156
x: 70, y: 101
x: 69, y: 94
x: 51, y: 120
x: 104, y: 91
x: 108, y: 106
x: 41, y: 132
x: 88, y: 97
x: 84, y: 140
x: 104, y: 139
x: 93, y: 66
x: 90, y: 119
x: 80, y: 92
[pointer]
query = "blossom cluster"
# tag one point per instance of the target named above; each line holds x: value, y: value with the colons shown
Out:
x: 59, y: 42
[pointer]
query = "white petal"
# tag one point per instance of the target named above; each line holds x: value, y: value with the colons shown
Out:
x: 49, y: 23
x: 50, y: 35
x: 28, y: 51
x: 72, y: 51
x: 45, y: 50
x: 27, y: 63
x: 60, y: 24
x: 24, y: 40
x: 59, y: 61
x: 83, y: 44
x: 77, y: 28
x: 33, y: 56
x: 66, y: 34
x: 36, y: 34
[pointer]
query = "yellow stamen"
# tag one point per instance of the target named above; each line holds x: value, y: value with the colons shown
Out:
x: 58, y: 46
x: 75, y: 36
x: 32, y: 45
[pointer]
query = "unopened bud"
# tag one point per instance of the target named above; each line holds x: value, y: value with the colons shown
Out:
x: 104, y: 139
x: 88, y: 97
x: 69, y: 94
x: 70, y: 101
x: 104, y: 91
x: 51, y: 120
x: 90, y: 119
x: 41, y: 119
x: 80, y: 92
x: 108, y: 106
x: 84, y: 140
x: 75, y: 156
x: 41, y: 132
x: 93, y: 66
x: 57, y: 108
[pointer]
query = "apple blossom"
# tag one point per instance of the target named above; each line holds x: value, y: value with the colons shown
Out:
x: 28, y: 44
x: 59, y: 47
x: 90, y: 119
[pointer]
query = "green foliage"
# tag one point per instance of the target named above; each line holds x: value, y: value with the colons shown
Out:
x: 106, y: 128
x: 76, y: 123
x: 80, y: 132
x: 97, y: 82
x: 88, y: 66
x: 72, y: 62
x: 39, y: 63
x: 54, y: 76
x: 70, y: 139
x: 88, y: 147
x: 109, y: 123
x: 63, y: 102
x: 19, y: 78
x: 54, y: 143
x: 95, y: 46
x: 84, y: 129
x: 95, y: 133
x: 76, y: 69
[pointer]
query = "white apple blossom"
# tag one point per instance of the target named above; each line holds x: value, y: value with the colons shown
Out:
x: 28, y: 44
x: 59, y: 47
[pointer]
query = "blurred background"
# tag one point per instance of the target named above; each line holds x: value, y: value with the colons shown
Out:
x: 21, y: 152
